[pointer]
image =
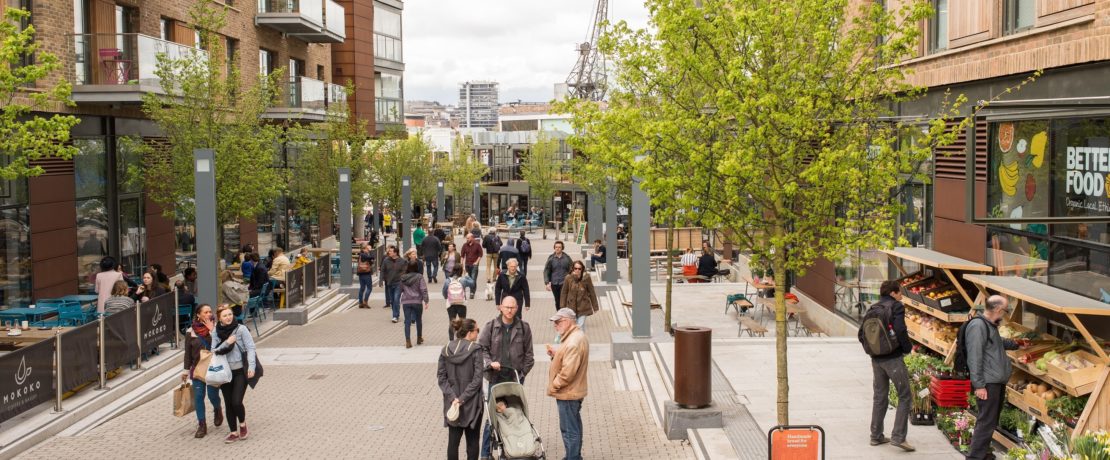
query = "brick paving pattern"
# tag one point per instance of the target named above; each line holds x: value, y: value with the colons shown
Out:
x: 370, y: 411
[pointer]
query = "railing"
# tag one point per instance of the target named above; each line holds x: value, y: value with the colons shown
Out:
x: 125, y: 59
x: 310, y: 9
x: 335, y: 20
x: 508, y: 173
x: 336, y: 93
x: 307, y: 93
x: 305, y: 281
x: 74, y: 357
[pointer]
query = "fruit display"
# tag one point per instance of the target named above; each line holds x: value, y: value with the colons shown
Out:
x: 936, y: 295
x: 911, y: 279
x: 932, y: 329
x: 1015, y: 331
x: 922, y: 287
x: 1077, y: 369
x: 1070, y: 361
x: 945, y: 298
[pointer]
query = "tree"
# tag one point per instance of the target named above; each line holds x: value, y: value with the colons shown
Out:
x: 204, y: 106
x: 341, y: 141
x: 463, y: 170
x: 540, y: 168
x: 768, y: 120
x: 25, y: 138
x: 412, y: 157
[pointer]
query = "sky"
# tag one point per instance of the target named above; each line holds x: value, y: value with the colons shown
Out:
x: 525, y: 45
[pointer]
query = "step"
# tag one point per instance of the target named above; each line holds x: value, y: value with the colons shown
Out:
x: 653, y: 384
x: 711, y: 444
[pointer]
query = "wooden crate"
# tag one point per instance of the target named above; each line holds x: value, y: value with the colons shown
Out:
x: 1080, y: 377
x: 1037, y: 405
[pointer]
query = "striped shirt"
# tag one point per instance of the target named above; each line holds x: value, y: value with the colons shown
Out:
x: 689, y: 259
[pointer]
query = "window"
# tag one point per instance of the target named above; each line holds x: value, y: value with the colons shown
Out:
x: 938, y: 26
x: 1018, y: 15
x: 231, y: 48
x: 320, y: 72
x: 388, y: 107
x: 165, y: 29
x: 387, y: 34
x: 266, y: 60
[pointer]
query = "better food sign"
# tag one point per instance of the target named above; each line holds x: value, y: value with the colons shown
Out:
x: 1087, y: 179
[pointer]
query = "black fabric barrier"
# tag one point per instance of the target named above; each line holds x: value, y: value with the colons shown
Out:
x: 323, y: 271
x: 80, y: 356
x: 26, y: 378
x: 294, y: 288
x: 156, y: 317
x: 309, y: 279
x: 120, y: 338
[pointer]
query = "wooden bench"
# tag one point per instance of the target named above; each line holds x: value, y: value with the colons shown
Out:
x: 806, y: 324
x: 752, y: 326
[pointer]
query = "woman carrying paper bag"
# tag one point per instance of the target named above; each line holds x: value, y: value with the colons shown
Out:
x: 198, y: 339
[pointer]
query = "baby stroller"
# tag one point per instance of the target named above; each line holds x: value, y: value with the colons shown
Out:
x: 512, y: 435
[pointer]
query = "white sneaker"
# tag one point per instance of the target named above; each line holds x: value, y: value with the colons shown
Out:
x: 394, y: 320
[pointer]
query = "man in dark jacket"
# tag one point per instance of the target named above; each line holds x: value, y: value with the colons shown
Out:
x: 555, y: 272
x: 524, y: 247
x: 472, y: 256
x: 506, y: 344
x: 431, y: 248
x: 891, y: 368
x: 393, y: 266
x: 511, y: 283
x: 508, y: 252
x: 990, y: 370
x: 492, y: 244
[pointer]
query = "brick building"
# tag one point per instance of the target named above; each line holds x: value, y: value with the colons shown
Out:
x: 980, y: 48
x: 59, y: 225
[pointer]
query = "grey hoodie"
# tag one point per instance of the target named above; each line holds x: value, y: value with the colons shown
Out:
x: 413, y: 289
x: 986, y: 353
x: 460, y: 376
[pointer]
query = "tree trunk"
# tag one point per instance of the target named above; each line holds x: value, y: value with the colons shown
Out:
x: 778, y: 264
x: 670, y: 277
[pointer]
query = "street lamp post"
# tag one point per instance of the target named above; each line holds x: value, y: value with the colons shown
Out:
x: 345, y: 220
x: 441, y: 201
x: 204, y: 173
x: 558, y: 214
x: 406, y: 213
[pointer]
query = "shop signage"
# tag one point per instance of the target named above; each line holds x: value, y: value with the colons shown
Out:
x: 323, y: 269
x: 294, y: 288
x: 796, y: 443
x: 1087, y: 180
x: 26, y: 378
x: 156, y: 317
x: 309, y: 279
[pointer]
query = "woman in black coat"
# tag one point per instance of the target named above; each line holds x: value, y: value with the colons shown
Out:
x: 460, y: 378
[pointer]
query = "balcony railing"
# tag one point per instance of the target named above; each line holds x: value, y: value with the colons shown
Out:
x: 307, y: 99
x: 509, y: 173
x: 307, y: 93
x: 121, y: 67
x: 336, y: 93
x: 309, y: 20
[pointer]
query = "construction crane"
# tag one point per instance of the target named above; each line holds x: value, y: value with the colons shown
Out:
x: 587, y: 80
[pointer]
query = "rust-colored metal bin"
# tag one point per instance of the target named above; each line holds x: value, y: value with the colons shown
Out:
x: 693, y: 366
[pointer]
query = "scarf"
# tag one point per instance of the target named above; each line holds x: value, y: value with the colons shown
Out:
x: 200, y: 329
x: 227, y: 330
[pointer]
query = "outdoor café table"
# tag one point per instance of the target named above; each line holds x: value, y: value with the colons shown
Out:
x: 80, y: 298
x: 29, y: 336
x: 27, y: 314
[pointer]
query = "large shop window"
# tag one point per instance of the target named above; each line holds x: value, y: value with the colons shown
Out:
x: 15, y: 244
x: 1051, y: 168
x: 90, y: 174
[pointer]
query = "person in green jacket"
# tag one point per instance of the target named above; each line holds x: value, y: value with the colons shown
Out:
x: 417, y: 238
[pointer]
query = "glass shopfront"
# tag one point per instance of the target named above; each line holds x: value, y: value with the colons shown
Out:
x: 15, y: 244
x: 1051, y: 168
x: 91, y: 176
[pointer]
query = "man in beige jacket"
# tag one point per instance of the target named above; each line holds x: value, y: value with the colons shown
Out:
x: 567, y: 379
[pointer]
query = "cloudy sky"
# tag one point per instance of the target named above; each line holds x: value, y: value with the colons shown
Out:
x: 526, y: 45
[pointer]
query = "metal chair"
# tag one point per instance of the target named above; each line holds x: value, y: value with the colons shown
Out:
x: 69, y: 314
x: 251, y: 310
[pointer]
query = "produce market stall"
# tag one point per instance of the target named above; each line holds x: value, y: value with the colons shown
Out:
x: 938, y: 299
x: 1055, y: 380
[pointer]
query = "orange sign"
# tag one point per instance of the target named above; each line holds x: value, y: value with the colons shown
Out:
x: 797, y: 443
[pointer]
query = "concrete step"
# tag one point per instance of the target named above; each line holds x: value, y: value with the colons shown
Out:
x: 711, y: 444
x: 652, y: 382
x: 331, y: 301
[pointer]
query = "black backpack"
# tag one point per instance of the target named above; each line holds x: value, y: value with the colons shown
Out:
x: 959, y: 361
x: 876, y: 331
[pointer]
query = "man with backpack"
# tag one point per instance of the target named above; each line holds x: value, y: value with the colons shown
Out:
x: 989, y: 369
x: 524, y: 247
x: 884, y: 337
x: 492, y: 244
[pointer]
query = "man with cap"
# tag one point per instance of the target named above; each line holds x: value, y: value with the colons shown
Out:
x: 506, y: 344
x: 567, y: 378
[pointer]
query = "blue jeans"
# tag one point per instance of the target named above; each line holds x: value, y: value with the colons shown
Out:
x: 365, y: 286
x: 199, y: 389
x: 393, y: 298
x: 414, y: 313
x: 431, y: 267
x: 570, y: 425
x: 486, y: 442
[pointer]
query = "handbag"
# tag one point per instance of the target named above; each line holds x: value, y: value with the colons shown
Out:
x: 200, y: 368
x: 364, y: 267
x: 183, y: 400
x: 219, y: 371
x: 453, y: 412
x: 252, y: 381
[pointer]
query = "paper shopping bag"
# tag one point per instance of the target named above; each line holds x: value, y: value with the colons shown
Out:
x: 182, y: 400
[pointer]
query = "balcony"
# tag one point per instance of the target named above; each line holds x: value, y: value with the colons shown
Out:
x: 120, y: 68
x: 313, y: 21
x: 503, y: 174
x: 306, y: 99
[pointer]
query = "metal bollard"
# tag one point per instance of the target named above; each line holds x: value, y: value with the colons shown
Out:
x: 100, y: 327
x: 693, y: 366
x: 58, y: 368
x: 139, y: 334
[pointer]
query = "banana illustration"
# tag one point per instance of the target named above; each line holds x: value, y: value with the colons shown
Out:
x: 1037, y: 147
x: 1008, y: 178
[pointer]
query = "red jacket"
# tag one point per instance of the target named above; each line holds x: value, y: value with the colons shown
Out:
x: 471, y: 252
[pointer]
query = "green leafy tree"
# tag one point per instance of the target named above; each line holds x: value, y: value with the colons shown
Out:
x: 412, y: 157
x: 25, y: 138
x: 463, y: 170
x: 206, y: 106
x: 768, y: 120
x: 540, y: 168
x: 339, y: 142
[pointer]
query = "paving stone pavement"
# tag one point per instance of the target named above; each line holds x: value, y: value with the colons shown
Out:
x: 368, y: 410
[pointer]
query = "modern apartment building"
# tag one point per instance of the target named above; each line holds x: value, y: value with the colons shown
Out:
x: 372, y: 59
x: 1039, y: 156
x: 57, y: 226
x: 504, y: 187
x: 478, y: 104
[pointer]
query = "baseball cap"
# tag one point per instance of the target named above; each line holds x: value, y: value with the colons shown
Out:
x: 563, y: 313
